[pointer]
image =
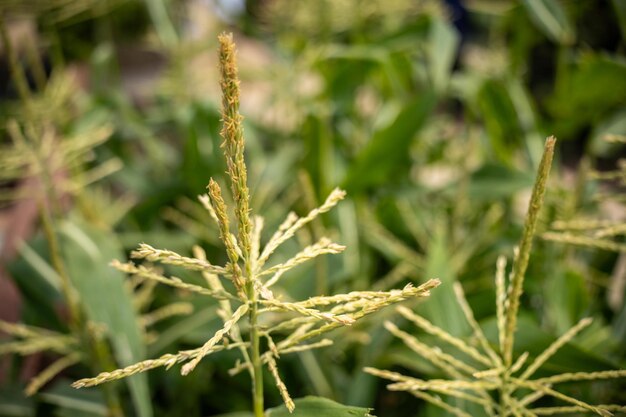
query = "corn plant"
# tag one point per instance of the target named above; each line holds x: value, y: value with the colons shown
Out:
x: 243, y: 286
x: 487, y: 376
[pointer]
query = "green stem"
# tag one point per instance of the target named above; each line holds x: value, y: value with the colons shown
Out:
x: 505, y: 393
x: 255, y: 349
x: 257, y: 365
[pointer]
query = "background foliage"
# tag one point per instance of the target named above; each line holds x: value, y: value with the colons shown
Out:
x: 432, y: 116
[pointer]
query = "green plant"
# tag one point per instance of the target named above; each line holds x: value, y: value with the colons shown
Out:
x: 481, y: 369
x: 49, y: 164
x: 246, y: 292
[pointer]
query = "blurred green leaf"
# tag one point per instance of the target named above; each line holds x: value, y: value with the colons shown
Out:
x: 620, y: 11
x: 386, y: 156
x: 183, y: 327
x: 442, y: 48
x: 319, y: 147
x: 500, y: 118
x: 550, y: 17
x: 362, y: 386
x: 14, y: 404
x: 614, y: 125
x: 493, y: 181
x: 71, y: 401
x: 318, y: 407
x: 595, y: 86
x: 569, y: 299
x: 522, y: 101
x: 42, y: 295
x: 239, y: 414
x: 176, y: 241
x: 442, y: 308
x: 43, y: 268
x: 530, y: 338
x: 70, y: 412
x: 619, y: 326
x: 87, y: 252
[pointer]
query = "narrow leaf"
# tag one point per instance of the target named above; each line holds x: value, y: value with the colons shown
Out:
x: 318, y: 407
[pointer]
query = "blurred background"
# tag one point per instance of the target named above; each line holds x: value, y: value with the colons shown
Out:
x: 431, y: 114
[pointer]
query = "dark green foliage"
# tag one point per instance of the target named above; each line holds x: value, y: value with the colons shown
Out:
x: 433, y: 125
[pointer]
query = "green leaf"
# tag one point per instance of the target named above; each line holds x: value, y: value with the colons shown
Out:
x: 74, y: 402
x: 40, y: 291
x: 442, y: 48
x: 318, y: 407
x: 569, y: 300
x: 70, y: 412
x: 362, y: 386
x: 522, y: 101
x: 497, y: 181
x: 87, y: 252
x: 185, y: 326
x: 236, y: 414
x: 386, y: 155
x: 529, y: 337
x: 596, y: 86
x: 319, y: 149
x: 551, y: 19
x: 614, y: 125
x: 39, y: 264
x: 620, y: 11
x: 442, y: 308
x: 13, y: 403
x: 500, y: 118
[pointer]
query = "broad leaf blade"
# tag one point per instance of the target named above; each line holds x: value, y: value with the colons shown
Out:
x: 318, y: 407
x: 87, y: 252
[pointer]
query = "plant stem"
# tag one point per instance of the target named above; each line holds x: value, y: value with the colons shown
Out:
x: 256, y: 363
x: 505, y: 392
x: 255, y: 350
